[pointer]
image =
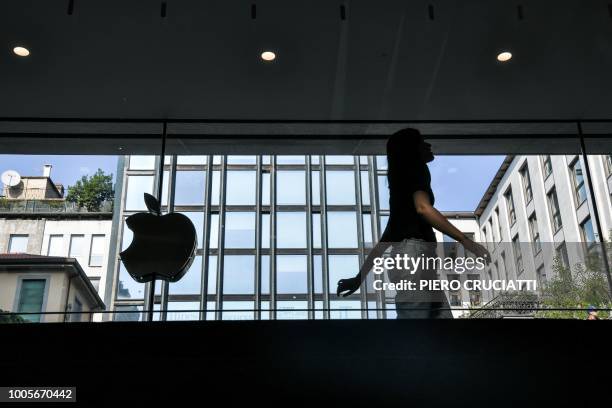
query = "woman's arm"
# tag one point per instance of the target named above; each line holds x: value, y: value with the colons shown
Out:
x: 352, y: 284
x: 423, y: 207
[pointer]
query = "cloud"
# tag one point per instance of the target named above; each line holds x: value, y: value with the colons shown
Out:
x: 452, y: 170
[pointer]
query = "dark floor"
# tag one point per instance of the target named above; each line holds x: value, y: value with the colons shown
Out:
x: 317, y: 363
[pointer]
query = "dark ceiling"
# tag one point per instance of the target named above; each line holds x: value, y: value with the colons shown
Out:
x: 387, y: 60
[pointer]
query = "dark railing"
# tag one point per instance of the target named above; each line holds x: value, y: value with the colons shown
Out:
x: 39, y: 206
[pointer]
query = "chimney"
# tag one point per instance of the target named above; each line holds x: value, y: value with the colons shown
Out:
x: 47, y: 170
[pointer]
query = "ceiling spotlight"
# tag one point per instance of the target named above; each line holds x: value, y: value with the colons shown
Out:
x: 21, y: 51
x: 268, y: 56
x: 504, y: 56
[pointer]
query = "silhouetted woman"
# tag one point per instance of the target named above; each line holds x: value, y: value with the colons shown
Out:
x: 410, y: 227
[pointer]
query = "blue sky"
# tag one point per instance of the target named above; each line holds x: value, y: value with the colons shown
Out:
x: 458, y: 181
x: 66, y: 169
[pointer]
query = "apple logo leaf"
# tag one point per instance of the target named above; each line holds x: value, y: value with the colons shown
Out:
x: 152, y: 204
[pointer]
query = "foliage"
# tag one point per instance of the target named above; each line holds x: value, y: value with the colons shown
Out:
x: 91, y: 192
x: 578, y: 288
x: 11, y: 318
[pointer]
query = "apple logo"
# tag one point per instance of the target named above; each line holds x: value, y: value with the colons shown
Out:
x: 163, y: 246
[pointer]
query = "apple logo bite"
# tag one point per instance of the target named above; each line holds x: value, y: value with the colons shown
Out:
x: 163, y: 246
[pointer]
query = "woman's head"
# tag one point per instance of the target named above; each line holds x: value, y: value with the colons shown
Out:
x: 408, y: 144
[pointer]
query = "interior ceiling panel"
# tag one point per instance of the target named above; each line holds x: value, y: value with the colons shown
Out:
x: 387, y: 60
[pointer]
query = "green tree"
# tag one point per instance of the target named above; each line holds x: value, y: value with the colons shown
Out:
x: 90, y: 192
x: 577, y: 288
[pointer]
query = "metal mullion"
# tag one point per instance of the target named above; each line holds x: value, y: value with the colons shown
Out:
x: 206, y: 238
x: 360, y: 243
x: 309, y: 271
x: 156, y: 187
x: 165, y: 287
x: 258, y: 192
x: 221, y: 237
x: 272, y: 237
x: 324, y: 260
x: 381, y: 312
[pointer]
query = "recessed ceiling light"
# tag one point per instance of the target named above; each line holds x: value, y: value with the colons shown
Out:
x: 21, y: 51
x: 268, y: 56
x: 504, y: 56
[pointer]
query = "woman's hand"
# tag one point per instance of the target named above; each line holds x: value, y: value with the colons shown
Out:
x: 349, y: 286
x: 476, y: 249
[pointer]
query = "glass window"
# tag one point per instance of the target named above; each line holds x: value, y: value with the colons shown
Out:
x: 345, y: 160
x: 142, y: 162
x: 191, y: 282
x: 183, y: 311
x: 316, y: 188
x: 345, y: 309
x: 342, y: 267
x: 240, y: 230
x: 31, y: 297
x: 535, y: 233
x: 578, y: 182
x: 608, y: 159
x: 555, y: 213
x: 290, y: 160
x: 317, y: 267
x: 265, y: 274
x: 243, y: 310
x: 265, y: 189
x: 193, y: 160
x: 197, y: 218
x: 526, y: 183
x: 518, y: 255
x: 215, y: 193
x: 365, y: 188
x: 588, y: 234
x: 291, y: 275
x: 562, y: 256
x: 56, y: 245
x: 189, y: 188
x: 381, y: 162
x: 498, y: 223
x: 510, y: 205
x: 546, y: 166
x: 265, y: 230
x: 383, y: 193
x: 127, y: 287
x: 136, y: 187
x: 291, y: 230
x: 291, y: 187
x: 98, y: 249
x: 240, y: 189
x: 214, y: 231
x: 342, y: 229
x: 340, y: 186
x: 292, y: 310
x: 212, y: 275
x: 316, y: 230
x: 239, y: 274
x: 18, y: 244
x: 128, y: 235
x: 367, y: 229
x: 241, y: 159
x: 77, y: 246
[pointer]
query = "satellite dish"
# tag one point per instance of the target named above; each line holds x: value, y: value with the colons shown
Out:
x: 11, y: 178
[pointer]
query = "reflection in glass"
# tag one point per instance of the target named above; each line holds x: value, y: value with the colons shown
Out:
x: 197, y: 217
x: 189, y: 188
x: 238, y: 274
x: 142, y: 162
x: 128, y: 288
x: 291, y: 275
x: 342, y: 267
x: 292, y: 310
x: 136, y: 187
x: 240, y: 187
x: 340, y: 186
x: 191, y: 282
x: 243, y: 310
x: 193, y: 160
x: 291, y: 187
x: 240, y: 229
x: 342, y: 229
x: 290, y: 160
x: 194, y: 314
x: 214, y: 231
x: 291, y: 230
x: 212, y: 275
x: 383, y: 193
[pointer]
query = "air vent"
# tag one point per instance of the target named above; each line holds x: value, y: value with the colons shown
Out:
x: 342, y: 12
x: 430, y: 11
x: 70, y: 7
x: 163, y: 9
x: 253, y: 11
x: 519, y: 12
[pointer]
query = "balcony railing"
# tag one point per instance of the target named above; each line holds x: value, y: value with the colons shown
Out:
x: 48, y: 206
